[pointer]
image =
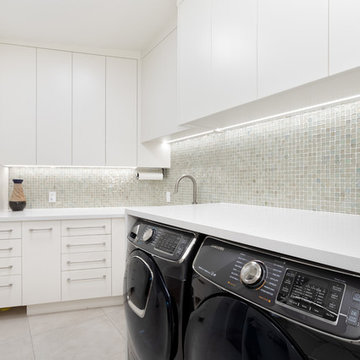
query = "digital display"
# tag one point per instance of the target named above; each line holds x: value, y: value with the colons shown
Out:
x: 314, y: 295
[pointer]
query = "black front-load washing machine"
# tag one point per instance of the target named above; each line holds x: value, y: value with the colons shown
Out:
x: 253, y: 305
x: 157, y: 289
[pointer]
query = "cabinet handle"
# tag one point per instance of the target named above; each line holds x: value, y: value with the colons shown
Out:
x: 6, y: 267
x: 85, y: 279
x: 87, y: 244
x: 8, y: 285
x: 7, y: 230
x: 86, y: 227
x: 84, y: 262
x: 8, y: 249
x: 42, y: 229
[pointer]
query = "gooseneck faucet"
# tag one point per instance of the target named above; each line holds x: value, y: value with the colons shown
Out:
x: 194, y: 186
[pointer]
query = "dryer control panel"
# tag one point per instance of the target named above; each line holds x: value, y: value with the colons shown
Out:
x: 162, y: 241
x: 320, y: 298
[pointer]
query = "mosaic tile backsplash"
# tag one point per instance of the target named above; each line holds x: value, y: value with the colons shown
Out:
x: 308, y: 161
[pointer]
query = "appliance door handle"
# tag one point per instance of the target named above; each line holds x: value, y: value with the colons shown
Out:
x: 139, y: 312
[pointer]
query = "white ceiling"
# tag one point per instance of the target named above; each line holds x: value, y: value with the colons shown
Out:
x: 108, y: 24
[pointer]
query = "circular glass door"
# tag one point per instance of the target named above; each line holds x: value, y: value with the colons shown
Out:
x: 148, y: 309
x: 226, y: 328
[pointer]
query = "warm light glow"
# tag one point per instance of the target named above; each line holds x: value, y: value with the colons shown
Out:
x: 272, y: 117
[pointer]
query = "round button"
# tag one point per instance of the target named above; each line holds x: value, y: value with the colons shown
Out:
x: 252, y: 274
x: 147, y: 235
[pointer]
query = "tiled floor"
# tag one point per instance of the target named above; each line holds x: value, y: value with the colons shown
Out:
x: 93, y: 334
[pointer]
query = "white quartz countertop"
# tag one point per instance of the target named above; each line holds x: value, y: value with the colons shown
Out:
x: 62, y: 214
x: 327, y: 238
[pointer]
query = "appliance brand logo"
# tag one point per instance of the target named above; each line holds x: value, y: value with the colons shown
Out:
x: 220, y: 248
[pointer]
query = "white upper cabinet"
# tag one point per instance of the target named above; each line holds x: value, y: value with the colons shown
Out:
x: 344, y: 35
x: 292, y: 43
x: 53, y: 107
x: 234, y: 53
x: 17, y: 105
x: 217, y: 56
x: 88, y: 110
x: 194, y: 56
x: 159, y: 90
x: 121, y: 112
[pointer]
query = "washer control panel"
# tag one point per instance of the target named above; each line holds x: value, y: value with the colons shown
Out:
x: 160, y: 240
x: 311, y: 294
x: 320, y: 298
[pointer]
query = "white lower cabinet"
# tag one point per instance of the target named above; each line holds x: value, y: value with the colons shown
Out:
x: 86, y: 284
x: 41, y: 262
x: 64, y: 260
x: 10, y: 291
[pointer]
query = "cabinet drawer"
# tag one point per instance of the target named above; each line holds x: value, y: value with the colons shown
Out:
x: 10, y: 266
x: 10, y: 248
x: 81, y: 244
x: 10, y: 291
x: 85, y: 227
x: 86, y: 284
x: 10, y: 230
x: 83, y: 261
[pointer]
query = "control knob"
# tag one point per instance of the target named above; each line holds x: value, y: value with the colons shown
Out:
x: 252, y: 274
x: 147, y: 235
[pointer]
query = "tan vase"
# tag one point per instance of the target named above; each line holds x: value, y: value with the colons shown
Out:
x: 17, y: 200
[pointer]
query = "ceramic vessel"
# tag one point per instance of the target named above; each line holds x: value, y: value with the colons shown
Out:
x: 17, y: 200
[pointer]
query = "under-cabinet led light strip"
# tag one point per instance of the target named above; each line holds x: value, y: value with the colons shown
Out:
x: 72, y: 167
x: 272, y: 117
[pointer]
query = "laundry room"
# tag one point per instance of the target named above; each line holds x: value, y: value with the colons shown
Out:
x: 179, y: 180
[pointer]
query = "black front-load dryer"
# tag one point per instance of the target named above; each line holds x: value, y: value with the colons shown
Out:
x: 157, y: 287
x: 252, y: 305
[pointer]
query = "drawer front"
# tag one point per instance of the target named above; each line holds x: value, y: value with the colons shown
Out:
x: 86, y: 284
x: 83, y: 261
x: 81, y: 244
x: 10, y: 266
x: 10, y: 248
x: 10, y: 230
x: 10, y: 291
x: 85, y: 227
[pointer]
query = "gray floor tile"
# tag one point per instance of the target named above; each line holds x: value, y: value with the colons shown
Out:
x: 95, y: 339
x: 116, y: 314
x: 46, y: 322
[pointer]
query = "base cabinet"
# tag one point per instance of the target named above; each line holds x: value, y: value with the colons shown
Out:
x: 41, y: 262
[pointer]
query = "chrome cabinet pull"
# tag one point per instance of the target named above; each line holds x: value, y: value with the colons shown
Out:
x: 42, y: 229
x: 6, y: 267
x: 85, y: 279
x: 85, y: 261
x: 7, y: 230
x: 87, y: 244
x: 86, y: 227
x: 8, y: 249
x: 8, y: 285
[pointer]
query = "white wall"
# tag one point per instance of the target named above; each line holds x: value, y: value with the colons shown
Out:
x: 4, y: 184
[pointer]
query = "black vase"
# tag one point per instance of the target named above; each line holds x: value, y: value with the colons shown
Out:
x: 17, y: 200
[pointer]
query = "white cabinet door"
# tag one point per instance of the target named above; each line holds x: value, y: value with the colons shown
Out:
x: 234, y: 53
x: 17, y: 105
x: 41, y: 262
x: 292, y: 44
x: 121, y: 112
x: 119, y: 246
x: 344, y: 35
x: 194, y: 55
x: 88, y: 110
x: 159, y: 90
x: 53, y: 107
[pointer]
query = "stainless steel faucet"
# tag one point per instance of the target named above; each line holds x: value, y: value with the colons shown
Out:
x: 194, y: 186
